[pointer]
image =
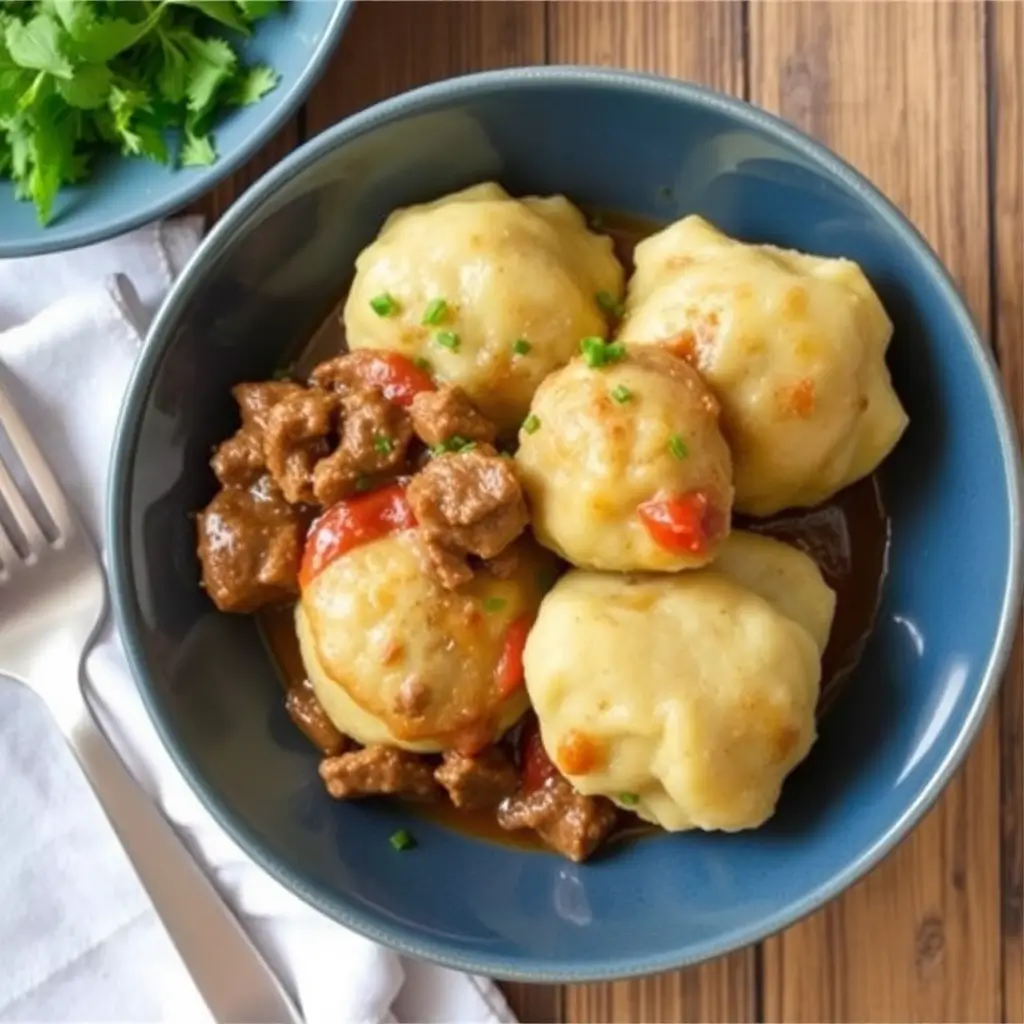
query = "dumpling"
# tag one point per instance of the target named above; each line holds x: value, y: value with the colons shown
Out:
x: 793, y: 346
x: 685, y: 698
x: 624, y: 465
x: 395, y: 658
x: 493, y: 292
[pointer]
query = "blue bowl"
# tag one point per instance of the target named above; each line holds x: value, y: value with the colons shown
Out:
x: 124, y: 193
x: 268, y: 274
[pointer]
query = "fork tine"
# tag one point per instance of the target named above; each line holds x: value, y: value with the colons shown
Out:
x: 36, y: 466
x: 23, y: 515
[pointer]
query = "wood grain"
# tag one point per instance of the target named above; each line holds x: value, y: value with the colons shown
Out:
x: 899, y: 90
x: 702, y: 42
x: 1006, y: 45
x: 390, y: 47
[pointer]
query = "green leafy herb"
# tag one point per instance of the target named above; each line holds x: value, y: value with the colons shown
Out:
x: 383, y: 445
x: 611, y: 305
x: 453, y: 444
x: 384, y: 304
x: 448, y: 339
x: 629, y: 799
x: 677, y: 446
x: 597, y: 352
x: 402, y: 840
x: 363, y: 484
x: 435, y: 313
x: 531, y: 424
x: 621, y: 394
x: 422, y: 364
x: 494, y: 604
x: 81, y: 77
x: 521, y: 347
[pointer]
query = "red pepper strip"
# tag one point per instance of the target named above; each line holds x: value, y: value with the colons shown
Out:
x: 509, y: 672
x: 395, y: 376
x: 534, y: 764
x: 678, y: 522
x: 351, y: 522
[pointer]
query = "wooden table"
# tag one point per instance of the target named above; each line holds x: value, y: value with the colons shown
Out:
x: 928, y: 100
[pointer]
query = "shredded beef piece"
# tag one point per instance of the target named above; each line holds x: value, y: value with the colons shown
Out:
x: 297, y: 438
x: 440, y: 415
x: 353, y: 371
x: 573, y: 824
x: 504, y: 564
x: 239, y: 461
x: 478, y: 782
x: 308, y: 714
x: 466, y: 503
x: 379, y: 770
x: 249, y: 545
x: 374, y: 437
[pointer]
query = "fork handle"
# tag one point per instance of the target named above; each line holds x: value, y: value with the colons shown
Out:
x: 229, y: 972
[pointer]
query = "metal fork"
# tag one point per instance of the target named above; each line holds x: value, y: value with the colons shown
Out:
x: 52, y: 602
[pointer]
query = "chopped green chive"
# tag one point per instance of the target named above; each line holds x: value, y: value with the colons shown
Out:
x: 447, y: 339
x: 611, y: 305
x: 531, y: 424
x: 494, y: 604
x: 422, y: 364
x: 597, y: 352
x: 384, y: 304
x: 520, y: 346
x: 402, y: 840
x: 363, y: 484
x: 629, y: 799
x: 622, y: 394
x: 383, y: 445
x: 467, y: 447
x: 436, y: 311
x: 456, y: 443
x: 677, y: 446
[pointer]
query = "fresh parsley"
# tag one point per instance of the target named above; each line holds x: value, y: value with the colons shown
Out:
x: 82, y: 77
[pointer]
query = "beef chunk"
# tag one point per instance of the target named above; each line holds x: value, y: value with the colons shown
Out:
x: 308, y: 714
x: 478, y: 782
x: 239, y: 461
x: 573, y: 824
x: 438, y: 416
x: 374, y: 437
x: 378, y: 770
x: 297, y: 438
x: 353, y: 371
x: 250, y: 544
x: 466, y: 503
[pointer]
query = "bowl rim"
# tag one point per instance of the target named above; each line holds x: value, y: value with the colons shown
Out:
x: 425, y: 98
x: 190, y: 186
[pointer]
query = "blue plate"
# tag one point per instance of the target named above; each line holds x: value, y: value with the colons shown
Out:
x: 125, y: 192
x: 265, y: 278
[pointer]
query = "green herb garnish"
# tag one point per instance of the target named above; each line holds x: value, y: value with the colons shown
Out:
x: 422, y: 364
x: 383, y: 445
x: 531, y: 424
x: 402, y: 840
x: 622, y: 394
x: 597, y: 352
x: 611, y: 305
x: 435, y: 313
x: 363, y: 484
x: 80, y: 79
x: 677, y: 446
x: 448, y: 339
x: 455, y: 443
x: 494, y: 604
x: 629, y: 799
x: 520, y: 347
x: 384, y: 304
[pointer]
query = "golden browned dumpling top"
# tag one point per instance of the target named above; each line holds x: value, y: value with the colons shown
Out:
x: 793, y: 346
x: 624, y: 464
x: 493, y: 292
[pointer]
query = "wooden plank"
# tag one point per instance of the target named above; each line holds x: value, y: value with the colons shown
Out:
x: 390, y: 47
x: 215, y: 202
x: 702, y: 42
x: 1006, y: 44
x: 899, y: 89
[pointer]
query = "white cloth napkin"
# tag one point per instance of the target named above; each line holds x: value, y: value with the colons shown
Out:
x: 78, y: 939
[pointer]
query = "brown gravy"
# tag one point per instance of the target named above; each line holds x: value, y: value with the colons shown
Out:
x: 847, y: 536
